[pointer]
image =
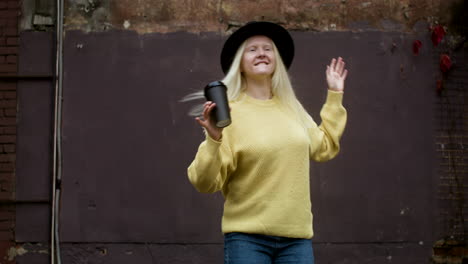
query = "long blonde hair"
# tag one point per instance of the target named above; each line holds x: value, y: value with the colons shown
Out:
x: 281, y: 87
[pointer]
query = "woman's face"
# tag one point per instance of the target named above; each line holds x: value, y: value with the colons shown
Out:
x: 258, y: 58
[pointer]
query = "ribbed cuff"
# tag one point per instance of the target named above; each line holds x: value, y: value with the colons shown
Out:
x: 212, y: 144
x: 334, y: 98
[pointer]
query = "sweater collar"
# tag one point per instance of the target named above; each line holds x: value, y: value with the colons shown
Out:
x: 268, y: 102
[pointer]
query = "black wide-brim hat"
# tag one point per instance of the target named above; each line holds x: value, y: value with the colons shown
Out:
x: 275, y: 32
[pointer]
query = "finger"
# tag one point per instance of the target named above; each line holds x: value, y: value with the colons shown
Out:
x: 332, y: 64
x: 206, y: 105
x: 205, y: 111
x: 200, y: 122
x: 345, y: 73
x: 208, y: 110
x: 338, y: 63
x: 340, y: 67
x: 328, y: 70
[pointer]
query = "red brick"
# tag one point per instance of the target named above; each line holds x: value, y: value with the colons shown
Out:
x: 9, y: 13
x: 7, y: 103
x: 7, y: 177
x: 11, y: 31
x: 10, y: 130
x: 6, y: 186
x: 7, y: 121
x: 12, y: 22
x: 9, y: 138
x: 9, y: 148
x: 6, y: 236
x: 10, y: 218
x: 7, y: 157
x: 9, y: 95
x: 3, y: 5
x: 8, y: 50
x: 7, y: 213
x: 9, y: 112
x: 8, y: 86
x: 12, y: 41
x: 12, y: 59
x: 13, y: 4
x: 2, y: 59
x: 3, y: 22
x: 6, y: 225
x: 2, y: 39
x: 8, y: 68
x: 7, y: 167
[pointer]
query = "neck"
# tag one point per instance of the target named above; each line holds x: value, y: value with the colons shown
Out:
x: 259, y: 88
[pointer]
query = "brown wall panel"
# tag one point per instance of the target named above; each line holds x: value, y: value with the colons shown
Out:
x: 35, y: 117
x: 128, y: 141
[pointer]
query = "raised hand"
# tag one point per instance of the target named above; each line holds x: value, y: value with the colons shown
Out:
x: 213, y: 131
x: 336, y: 75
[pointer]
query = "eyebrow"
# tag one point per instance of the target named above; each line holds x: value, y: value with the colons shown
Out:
x: 256, y: 45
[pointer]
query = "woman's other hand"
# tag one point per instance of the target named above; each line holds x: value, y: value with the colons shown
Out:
x: 208, y: 123
x: 336, y: 75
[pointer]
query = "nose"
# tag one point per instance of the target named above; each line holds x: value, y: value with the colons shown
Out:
x: 261, y: 53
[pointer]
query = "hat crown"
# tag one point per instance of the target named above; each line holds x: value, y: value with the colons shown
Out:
x: 279, y: 35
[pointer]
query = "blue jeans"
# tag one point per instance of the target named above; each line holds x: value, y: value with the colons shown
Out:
x: 241, y: 248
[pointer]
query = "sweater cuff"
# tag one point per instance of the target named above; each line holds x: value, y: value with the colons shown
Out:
x: 334, y: 98
x: 212, y: 144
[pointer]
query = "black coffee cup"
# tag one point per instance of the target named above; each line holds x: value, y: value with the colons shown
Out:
x: 216, y: 92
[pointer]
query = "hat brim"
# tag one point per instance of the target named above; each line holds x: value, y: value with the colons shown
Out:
x: 279, y: 35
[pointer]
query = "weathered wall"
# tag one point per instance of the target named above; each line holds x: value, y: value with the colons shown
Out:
x: 9, y: 14
x: 127, y: 139
x: 147, y: 16
x: 451, y: 145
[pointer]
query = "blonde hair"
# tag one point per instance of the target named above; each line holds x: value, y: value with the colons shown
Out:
x: 281, y: 88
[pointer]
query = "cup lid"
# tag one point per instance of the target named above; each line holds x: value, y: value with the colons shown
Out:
x: 214, y: 84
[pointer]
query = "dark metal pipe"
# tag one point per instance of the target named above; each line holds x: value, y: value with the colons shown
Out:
x: 57, y: 149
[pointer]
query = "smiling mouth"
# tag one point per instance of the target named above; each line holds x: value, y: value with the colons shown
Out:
x: 264, y: 62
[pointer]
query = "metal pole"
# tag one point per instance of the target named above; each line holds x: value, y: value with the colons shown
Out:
x: 57, y: 151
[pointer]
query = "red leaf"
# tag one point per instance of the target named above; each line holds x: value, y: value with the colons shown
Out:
x: 416, y: 46
x: 438, y: 33
x: 445, y: 63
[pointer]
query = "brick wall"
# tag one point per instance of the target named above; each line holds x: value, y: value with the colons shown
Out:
x: 9, y: 15
x: 452, y: 147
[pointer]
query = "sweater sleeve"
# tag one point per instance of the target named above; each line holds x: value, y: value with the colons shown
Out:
x: 212, y: 165
x: 325, y: 139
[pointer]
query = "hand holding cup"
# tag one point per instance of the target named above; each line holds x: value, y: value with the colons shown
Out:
x: 208, y: 123
x: 216, y: 111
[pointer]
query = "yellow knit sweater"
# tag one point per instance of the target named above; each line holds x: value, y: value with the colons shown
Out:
x: 262, y: 163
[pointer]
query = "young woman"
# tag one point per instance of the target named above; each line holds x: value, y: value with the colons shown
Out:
x: 261, y: 161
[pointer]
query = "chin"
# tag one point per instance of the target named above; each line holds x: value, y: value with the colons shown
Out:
x: 265, y: 73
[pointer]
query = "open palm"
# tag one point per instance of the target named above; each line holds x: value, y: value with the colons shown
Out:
x: 336, y: 74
